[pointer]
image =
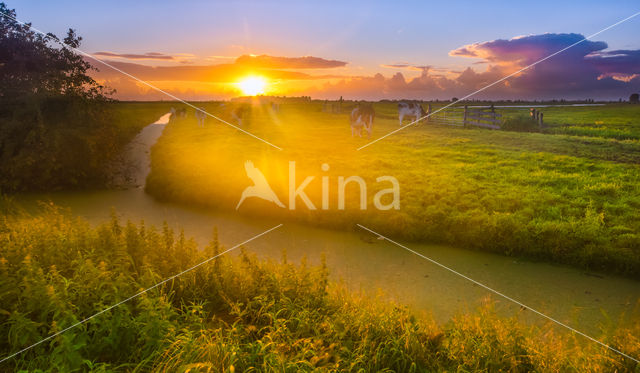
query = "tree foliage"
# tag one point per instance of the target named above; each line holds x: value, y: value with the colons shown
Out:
x: 55, y: 124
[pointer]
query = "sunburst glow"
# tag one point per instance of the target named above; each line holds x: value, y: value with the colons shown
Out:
x: 253, y: 85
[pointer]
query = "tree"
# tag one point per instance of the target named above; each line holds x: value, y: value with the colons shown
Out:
x: 55, y: 129
x: 634, y: 99
x: 30, y: 64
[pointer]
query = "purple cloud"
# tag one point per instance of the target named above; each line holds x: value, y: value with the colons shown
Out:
x: 622, y: 65
x: 584, y: 70
x: 525, y: 50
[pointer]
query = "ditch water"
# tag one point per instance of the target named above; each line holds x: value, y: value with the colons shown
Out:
x: 584, y: 300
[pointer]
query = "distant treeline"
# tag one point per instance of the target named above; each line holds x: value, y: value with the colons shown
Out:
x: 301, y: 99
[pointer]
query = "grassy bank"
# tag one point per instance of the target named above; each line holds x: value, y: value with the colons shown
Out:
x: 130, y: 117
x: 236, y: 313
x: 553, y: 197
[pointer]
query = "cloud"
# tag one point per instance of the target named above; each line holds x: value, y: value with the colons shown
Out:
x: 191, y: 81
x: 524, y: 50
x: 270, y: 67
x: 221, y: 73
x: 272, y: 62
x: 406, y: 66
x: 622, y: 65
x: 218, y: 58
x: 377, y: 87
x: 584, y: 70
x: 133, y: 56
x: 181, y: 58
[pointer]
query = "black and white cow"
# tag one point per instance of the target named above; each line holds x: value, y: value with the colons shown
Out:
x: 412, y: 110
x: 201, y: 115
x: 362, y: 117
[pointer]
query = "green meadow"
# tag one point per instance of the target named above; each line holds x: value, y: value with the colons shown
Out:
x: 552, y: 195
x: 237, y: 314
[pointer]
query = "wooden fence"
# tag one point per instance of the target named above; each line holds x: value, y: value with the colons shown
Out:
x: 482, y: 117
x: 449, y: 117
x: 466, y: 116
x: 537, y: 116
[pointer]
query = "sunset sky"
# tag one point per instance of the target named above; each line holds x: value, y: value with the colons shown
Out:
x: 202, y: 49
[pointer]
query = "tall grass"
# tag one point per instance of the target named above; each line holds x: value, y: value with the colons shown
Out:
x: 237, y: 313
x: 612, y: 121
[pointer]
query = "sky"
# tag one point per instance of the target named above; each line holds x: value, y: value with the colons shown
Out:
x: 360, y: 50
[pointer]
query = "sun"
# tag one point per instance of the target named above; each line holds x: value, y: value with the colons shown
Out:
x: 253, y: 85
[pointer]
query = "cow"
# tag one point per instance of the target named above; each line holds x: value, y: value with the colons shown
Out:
x: 239, y: 113
x: 362, y: 117
x: 410, y: 109
x: 200, y: 116
x: 181, y: 113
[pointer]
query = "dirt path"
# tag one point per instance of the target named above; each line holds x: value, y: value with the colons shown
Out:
x: 135, y: 164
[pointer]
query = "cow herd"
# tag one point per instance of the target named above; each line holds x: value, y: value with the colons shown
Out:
x: 237, y: 113
x: 361, y: 117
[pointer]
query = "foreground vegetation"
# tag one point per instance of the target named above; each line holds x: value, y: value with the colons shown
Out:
x: 236, y: 313
x: 554, y: 197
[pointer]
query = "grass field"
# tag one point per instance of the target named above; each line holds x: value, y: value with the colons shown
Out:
x: 237, y: 313
x: 131, y: 117
x: 612, y: 121
x: 553, y: 197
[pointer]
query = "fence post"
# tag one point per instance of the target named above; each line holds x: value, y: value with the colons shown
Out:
x: 541, y: 121
x: 464, y: 121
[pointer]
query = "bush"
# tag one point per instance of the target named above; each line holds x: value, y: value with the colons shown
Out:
x: 520, y: 123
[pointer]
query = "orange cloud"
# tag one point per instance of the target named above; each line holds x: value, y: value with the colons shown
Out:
x: 272, y: 62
